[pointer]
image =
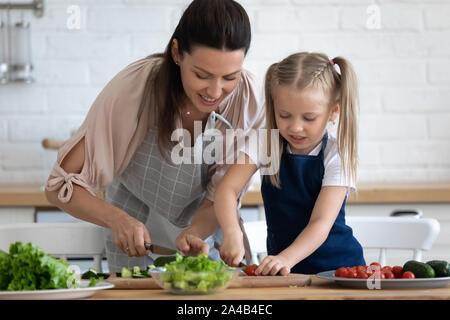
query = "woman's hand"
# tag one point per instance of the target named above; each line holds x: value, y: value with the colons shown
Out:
x: 190, y: 244
x: 271, y: 265
x: 232, y: 248
x: 129, y: 234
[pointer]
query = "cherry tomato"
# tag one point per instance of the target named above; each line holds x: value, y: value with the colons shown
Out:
x: 388, y: 274
x: 361, y: 268
x: 362, y: 275
x: 397, y: 271
x: 386, y: 268
x: 375, y: 264
x: 351, y: 273
x: 373, y: 268
x: 250, y: 270
x: 408, y: 275
x: 341, y: 272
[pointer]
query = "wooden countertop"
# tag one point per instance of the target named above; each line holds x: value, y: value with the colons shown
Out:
x: 385, y: 192
x: 30, y: 195
x: 320, y: 289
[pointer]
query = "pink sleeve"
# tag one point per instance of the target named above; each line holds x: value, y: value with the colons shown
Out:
x: 113, y: 129
x: 246, y: 111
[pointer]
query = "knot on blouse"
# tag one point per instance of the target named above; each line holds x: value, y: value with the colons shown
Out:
x: 64, y: 182
x: 213, y: 117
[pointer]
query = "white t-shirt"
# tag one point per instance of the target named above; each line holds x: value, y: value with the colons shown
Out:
x: 333, y: 172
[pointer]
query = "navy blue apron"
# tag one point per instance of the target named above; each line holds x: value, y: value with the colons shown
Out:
x: 289, y: 209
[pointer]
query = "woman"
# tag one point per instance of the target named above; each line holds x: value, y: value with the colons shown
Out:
x: 125, y: 141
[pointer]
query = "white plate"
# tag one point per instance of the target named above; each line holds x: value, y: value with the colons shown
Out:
x: 56, y: 294
x: 420, y: 283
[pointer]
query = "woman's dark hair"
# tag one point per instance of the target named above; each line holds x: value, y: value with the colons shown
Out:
x: 219, y: 24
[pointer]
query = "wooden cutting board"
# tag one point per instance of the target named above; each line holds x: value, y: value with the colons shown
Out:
x: 298, y: 280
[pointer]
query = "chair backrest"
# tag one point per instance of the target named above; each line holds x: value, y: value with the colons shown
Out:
x: 411, y: 233
x: 74, y: 239
x: 257, y: 234
x: 372, y: 232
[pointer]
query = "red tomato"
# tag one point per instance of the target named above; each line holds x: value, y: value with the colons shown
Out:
x: 388, y: 274
x: 362, y: 275
x: 373, y: 268
x: 341, y: 272
x: 250, y: 270
x: 376, y: 264
x: 361, y: 268
x: 386, y: 268
x: 397, y: 271
x: 408, y: 275
x: 351, y: 273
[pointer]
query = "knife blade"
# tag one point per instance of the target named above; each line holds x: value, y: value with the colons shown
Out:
x: 242, y: 267
x: 157, y: 249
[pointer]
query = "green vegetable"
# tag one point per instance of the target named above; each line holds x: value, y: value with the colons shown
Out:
x: 92, y: 282
x: 92, y: 273
x: 161, y: 261
x: 138, y: 273
x: 441, y: 267
x: 28, y: 267
x: 195, y: 274
x: 136, y: 270
x: 126, y: 273
x: 420, y: 269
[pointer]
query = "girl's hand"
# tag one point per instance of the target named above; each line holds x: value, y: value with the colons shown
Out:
x: 190, y: 244
x: 232, y: 248
x: 271, y: 265
x: 129, y: 234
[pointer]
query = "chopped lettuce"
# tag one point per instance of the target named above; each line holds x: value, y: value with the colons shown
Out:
x: 195, y: 274
x: 28, y: 267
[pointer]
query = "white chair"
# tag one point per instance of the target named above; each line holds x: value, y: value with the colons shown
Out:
x: 411, y: 233
x: 382, y: 233
x: 66, y: 239
x: 257, y: 233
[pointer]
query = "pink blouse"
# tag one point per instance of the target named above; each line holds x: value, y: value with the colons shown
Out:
x: 115, y: 126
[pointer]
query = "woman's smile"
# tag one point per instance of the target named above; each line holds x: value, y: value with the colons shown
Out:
x: 208, y: 101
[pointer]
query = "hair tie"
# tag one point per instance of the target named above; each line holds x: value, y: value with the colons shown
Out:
x: 332, y: 62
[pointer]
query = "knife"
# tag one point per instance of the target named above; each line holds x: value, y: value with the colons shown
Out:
x: 242, y: 267
x: 154, y: 248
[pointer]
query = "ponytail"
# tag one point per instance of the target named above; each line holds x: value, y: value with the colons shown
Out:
x: 347, y: 131
x: 271, y: 124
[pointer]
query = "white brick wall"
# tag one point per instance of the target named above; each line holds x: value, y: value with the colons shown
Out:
x: 403, y: 68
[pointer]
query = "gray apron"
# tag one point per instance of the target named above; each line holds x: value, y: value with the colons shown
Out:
x: 161, y: 195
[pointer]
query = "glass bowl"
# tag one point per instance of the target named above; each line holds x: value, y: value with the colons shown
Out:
x: 194, y: 282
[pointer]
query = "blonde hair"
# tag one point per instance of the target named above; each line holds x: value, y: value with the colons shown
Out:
x: 303, y: 70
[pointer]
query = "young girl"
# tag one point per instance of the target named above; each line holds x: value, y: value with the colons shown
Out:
x: 304, y: 200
